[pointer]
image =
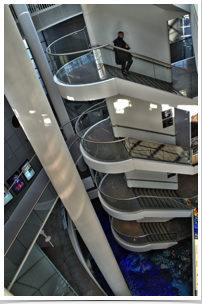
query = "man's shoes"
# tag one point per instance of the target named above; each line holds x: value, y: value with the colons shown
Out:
x: 126, y: 72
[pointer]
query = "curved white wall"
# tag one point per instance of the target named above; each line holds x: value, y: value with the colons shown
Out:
x: 117, y: 86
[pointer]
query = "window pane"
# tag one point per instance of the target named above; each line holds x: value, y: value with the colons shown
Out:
x: 38, y: 73
x: 25, y: 43
x: 43, y: 44
x: 30, y: 54
x: 33, y: 62
x: 41, y: 82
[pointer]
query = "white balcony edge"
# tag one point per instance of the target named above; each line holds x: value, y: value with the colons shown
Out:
x: 138, y: 164
x: 115, y: 86
x: 163, y: 214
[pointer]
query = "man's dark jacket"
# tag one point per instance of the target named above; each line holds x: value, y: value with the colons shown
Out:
x: 121, y: 56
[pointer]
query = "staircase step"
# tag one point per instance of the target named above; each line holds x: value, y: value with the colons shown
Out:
x: 143, y: 198
x: 155, y: 201
x: 167, y: 237
x: 150, y: 202
x: 161, y: 201
x: 167, y: 201
x: 135, y: 79
x: 148, y: 233
x: 141, y: 202
x: 171, y: 201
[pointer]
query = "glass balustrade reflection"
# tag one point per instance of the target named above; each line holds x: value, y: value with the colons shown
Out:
x: 97, y: 138
x: 59, y: 50
x: 144, y: 239
x: 118, y: 196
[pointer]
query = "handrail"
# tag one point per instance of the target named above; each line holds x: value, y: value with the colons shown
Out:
x: 114, y: 47
x: 154, y: 60
x: 143, y: 130
x: 62, y: 38
x: 139, y: 236
x: 74, y: 53
x: 27, y: 218
x: 119, y: 140
x: 123, y: 139
x: 141, y: 196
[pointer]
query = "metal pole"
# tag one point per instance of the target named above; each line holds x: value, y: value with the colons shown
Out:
x: 28, y: 101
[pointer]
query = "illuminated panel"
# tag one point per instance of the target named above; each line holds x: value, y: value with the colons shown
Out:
x: 18, y: 185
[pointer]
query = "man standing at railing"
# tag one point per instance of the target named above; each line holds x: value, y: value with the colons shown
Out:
x: 120, y: 56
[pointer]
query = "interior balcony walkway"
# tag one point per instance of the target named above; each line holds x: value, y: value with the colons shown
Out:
x: 86, y: 70
x: 100, y: 144
x: 115, y: 193
x: 141, y: 234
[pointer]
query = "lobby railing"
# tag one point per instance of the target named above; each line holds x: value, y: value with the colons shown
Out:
x: 89, y: 128
x: 134, y: 203
x: 146, y: 238
x: 33, y: 9
x: 73, y: 50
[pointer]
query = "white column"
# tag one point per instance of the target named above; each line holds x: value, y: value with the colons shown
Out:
x: 86, y: 17
x: 28, y: 101
x: 42, y: 63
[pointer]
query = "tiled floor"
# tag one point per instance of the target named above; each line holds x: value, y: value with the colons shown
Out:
x: 103, y: 147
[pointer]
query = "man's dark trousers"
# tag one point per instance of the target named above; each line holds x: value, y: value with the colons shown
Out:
x: 126, y: 67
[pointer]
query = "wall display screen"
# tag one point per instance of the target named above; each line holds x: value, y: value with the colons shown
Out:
x: 167, y: 122
x: 27, y: 170
x: 8, y: 197
x: 167, y: 118
x: 167, y: 113
x: 19, y: 184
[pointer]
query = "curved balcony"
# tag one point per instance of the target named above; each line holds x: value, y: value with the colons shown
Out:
x: 140, y: 204
x: 105, y: 153
x: 138, y: 237
x: 78, y: 67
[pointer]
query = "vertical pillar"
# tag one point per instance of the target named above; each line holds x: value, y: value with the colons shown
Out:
x: 40, y: 58
x: 86, y: 13
x: 42, y: 63
x: 29, y: 103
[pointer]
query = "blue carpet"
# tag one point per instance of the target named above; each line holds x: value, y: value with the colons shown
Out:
x: 154, y: 273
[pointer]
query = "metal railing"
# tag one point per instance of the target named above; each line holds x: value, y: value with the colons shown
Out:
x: 145, y: 238
x: 132, y: 147
x: 136, y: 203
x: 33, y: 9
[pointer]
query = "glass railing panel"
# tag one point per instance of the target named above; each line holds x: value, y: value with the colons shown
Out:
x: 27, y: 234
x: 147, y: 239
x: 98, y: 141
x: 115, y: 193
x: 59, y: 50
x: 88, y: 68
x: 97, y: 137
x: 182, y: 49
